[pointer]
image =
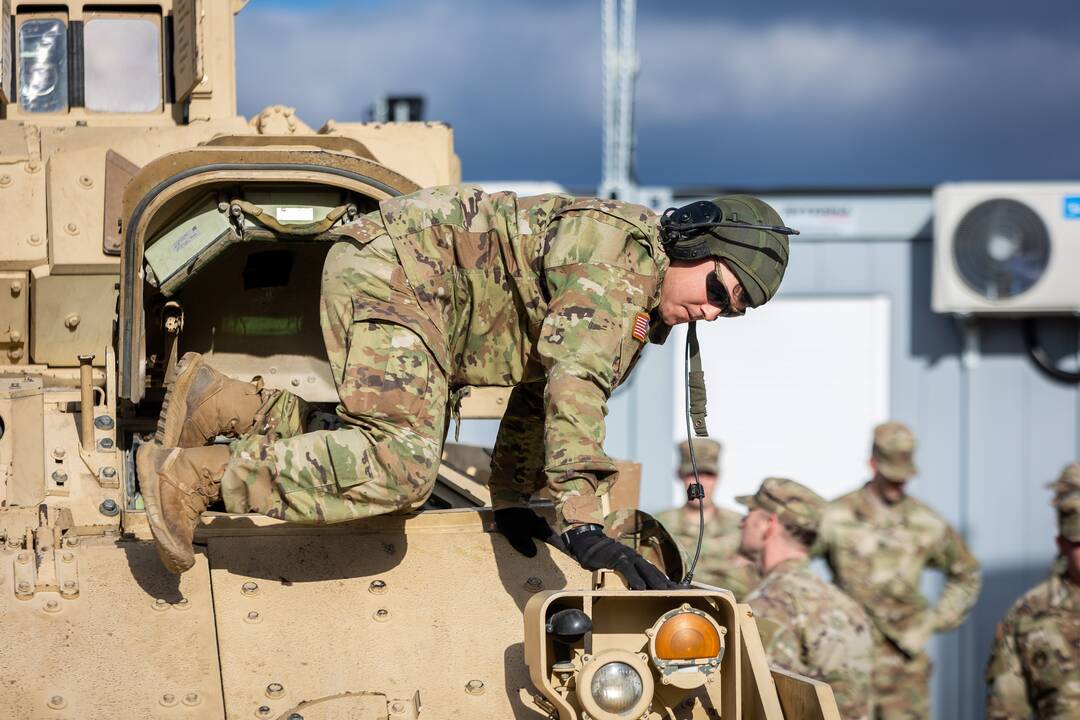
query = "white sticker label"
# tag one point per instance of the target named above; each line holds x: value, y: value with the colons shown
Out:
x: 295, y: 214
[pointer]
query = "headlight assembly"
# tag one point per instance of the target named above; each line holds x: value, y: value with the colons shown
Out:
x: 615, y: 684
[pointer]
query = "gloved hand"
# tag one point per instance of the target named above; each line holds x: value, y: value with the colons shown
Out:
x: 521, y: 525
x: 595, y: 551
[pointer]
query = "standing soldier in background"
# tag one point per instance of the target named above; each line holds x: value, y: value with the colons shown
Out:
x: 1034, y: 667
x: 720, y: 563
x: 878, y: 540
x: 807, y: 625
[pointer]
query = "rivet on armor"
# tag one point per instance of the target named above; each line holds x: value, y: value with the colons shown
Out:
x: 34, y: 239
x: 275, y: 690
x: 192, y: 699
x: 381, y: 615
x: 71, y: 229
x: 72, y: 321
x: 534, y: 584
x: 52, y: 606
x: 249, y: 588
x: 168, y: 700
x: 377, y: 587
x: 86, y: 181
x: 57, y: 702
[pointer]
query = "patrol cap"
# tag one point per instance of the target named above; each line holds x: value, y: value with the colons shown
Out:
x: 1068, y: 513
x: 1069, y: 480
x: 894, y: 451
x: 757, y: 257
x: 796, y: 505
x: 707, y: 454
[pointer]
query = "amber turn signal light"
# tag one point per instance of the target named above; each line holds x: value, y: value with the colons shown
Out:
x: 687, y: 636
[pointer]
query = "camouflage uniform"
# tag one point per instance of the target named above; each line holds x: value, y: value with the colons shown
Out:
x: 1034, y: 667
x: 720, y: 563
x: 450, y: 288
x: 808, y: 625
x: 877, y: 554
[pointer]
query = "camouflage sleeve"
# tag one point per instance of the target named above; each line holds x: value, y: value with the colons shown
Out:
x: 1006, y: 691
x: 962, y: 584
x: 843, y: 657
x: 517, y: 463
x: 583, y: 333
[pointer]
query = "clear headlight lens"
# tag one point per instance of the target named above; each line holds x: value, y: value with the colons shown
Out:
x: 616, y: 687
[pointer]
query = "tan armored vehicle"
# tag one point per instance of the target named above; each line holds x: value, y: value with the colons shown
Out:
x: 142, y: 218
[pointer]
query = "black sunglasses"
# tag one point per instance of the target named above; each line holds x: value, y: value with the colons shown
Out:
x: 717, y: 295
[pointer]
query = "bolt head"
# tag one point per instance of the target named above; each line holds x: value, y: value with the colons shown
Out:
x: 59, y: 453
x: 23, y: 557
x: 59, y: 477
x: 168, y: 699
x: 57, y: 701
x: 23, y: 586
x: 108, y: 471
x: 275, y: 690
x: 103, y: 422
x: 192, y: 698
x: 249, y: 588
x: 67, y: 557
x: 109, y: 507
x: 474, y: 687
x: 253, y: 615
x: 263, y: 711
x: 51, y: 605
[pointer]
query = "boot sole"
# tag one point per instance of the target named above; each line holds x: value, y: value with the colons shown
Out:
x: 175, y: 559
x: 174, y: 406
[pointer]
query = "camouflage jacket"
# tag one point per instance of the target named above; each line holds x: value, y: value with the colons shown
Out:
x: 540, y: 294
x: 1034, y: 666
x: 809, y: 627
x: 877, y: 554
x: 720, y: 563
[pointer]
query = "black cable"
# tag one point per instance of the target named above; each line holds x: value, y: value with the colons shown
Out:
x: 696, y: 490
x: 1042, y: 359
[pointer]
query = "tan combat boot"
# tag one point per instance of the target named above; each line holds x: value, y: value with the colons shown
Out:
x: 202, y: 403
x: 177, y: 486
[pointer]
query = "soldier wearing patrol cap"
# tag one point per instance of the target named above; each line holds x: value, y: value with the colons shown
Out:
x: 878, y: 540
x: 1034, y: 667
x: 807, y: 625
x: 451, y: 288
x: 720, y: 563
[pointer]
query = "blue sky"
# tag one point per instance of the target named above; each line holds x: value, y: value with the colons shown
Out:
x: 828, y: 93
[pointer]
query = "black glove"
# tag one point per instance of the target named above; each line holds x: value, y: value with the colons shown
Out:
x: 595, y: 551
x: 520, y: 525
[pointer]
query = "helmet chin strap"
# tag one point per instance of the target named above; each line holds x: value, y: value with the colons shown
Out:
x: 695, y: 414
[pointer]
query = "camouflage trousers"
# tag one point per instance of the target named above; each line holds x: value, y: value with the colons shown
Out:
x: 393, y: 406
x: 901, y: 684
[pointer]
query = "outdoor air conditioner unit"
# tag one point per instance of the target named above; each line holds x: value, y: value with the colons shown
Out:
x: 1007, y: 248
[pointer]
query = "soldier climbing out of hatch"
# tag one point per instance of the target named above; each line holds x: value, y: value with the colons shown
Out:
x: 449, y: 288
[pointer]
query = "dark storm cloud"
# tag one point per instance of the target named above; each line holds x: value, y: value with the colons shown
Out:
x: 831, y: 92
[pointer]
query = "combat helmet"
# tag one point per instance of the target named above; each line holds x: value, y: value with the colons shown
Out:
x: 743, y: 230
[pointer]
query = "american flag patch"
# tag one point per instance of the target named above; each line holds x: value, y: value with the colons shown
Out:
x: 641, y: 327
